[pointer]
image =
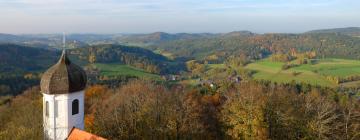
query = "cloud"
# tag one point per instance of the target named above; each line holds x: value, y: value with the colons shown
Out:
x: 170, y: 15
x: 89, y: 7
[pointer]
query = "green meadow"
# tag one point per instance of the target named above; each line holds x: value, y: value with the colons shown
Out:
x: 124, y: 70
x: 314, y: 74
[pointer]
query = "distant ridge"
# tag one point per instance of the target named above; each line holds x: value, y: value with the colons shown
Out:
x: 239, y: 33
x: 46, y: 41
x: 52, y: 41
x: 157, y: 37
x: 352, y: 31
x: 6, y: 38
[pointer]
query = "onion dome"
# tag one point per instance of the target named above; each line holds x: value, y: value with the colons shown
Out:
x: 63, y: 78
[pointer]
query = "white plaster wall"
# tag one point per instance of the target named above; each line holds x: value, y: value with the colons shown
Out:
x: 60, y: 113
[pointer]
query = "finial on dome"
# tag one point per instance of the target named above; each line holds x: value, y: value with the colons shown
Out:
x: 64, y: 77
x: 63, y: 57
x: 64, y: 41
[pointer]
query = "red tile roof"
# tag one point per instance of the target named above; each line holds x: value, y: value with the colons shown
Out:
x: 77, y: 134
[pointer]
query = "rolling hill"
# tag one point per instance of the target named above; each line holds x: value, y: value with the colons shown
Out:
x: 21, y: 66
x: 351, y: 31
x: 338, y: 42
x: 15, y: 59
x: 260, y: 45
x: 134, y: 56
x: 158, y: 37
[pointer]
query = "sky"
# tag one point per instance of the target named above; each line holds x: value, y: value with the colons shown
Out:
x: 174, y: 16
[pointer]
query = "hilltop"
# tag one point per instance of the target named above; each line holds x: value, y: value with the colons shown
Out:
x: 20, y: 59
x: 351, y: 31
x: 257, y: 46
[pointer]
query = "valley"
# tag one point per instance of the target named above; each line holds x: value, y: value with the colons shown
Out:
x: 192, y: 86
x: 162, y: 54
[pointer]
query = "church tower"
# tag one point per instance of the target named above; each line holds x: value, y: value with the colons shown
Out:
x: 63, y: 87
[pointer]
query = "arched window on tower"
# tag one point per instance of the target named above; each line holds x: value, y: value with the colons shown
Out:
x: 75, y: 107
x: 47, y: 109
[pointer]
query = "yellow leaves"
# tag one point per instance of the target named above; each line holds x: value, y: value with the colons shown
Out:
x: 171, y: 124
x: 39, y: 103
x: 195, y: 67
x: 212, y: 57
x: 94, y: 95
x: 89, y: 121
x: 281, y: 58
x: 92, y: 58
x: 95, y: 91
x: 30, y: 76
x: 243, y: 113
x: 212, y: 99
x: 23, y: 118
x: 152, y: 69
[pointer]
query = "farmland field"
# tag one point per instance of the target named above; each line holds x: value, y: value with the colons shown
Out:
x: 120, y: 69
x: 314, y: 74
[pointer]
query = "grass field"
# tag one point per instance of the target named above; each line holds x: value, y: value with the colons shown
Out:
x: 164, y: 53
x: 120, y: 69
x: 307, y: 73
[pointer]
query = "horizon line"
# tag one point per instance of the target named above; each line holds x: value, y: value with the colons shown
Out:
x: 134, y: 33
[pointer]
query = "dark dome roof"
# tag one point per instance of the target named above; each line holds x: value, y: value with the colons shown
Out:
x: 63, y: 78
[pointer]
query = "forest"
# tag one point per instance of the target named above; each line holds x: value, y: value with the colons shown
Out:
x: 144, y: 109
x: 259, y: 46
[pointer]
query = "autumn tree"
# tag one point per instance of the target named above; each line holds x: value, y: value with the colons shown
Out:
x: 243, y: 113
x: 322, y: 115
x: 349, y: 126
x: 92, y: 58
x: 195, y: 67
x: 22, y: 119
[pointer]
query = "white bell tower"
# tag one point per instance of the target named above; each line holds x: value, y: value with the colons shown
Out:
x: 62, y: 87
x: 62, y: 113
